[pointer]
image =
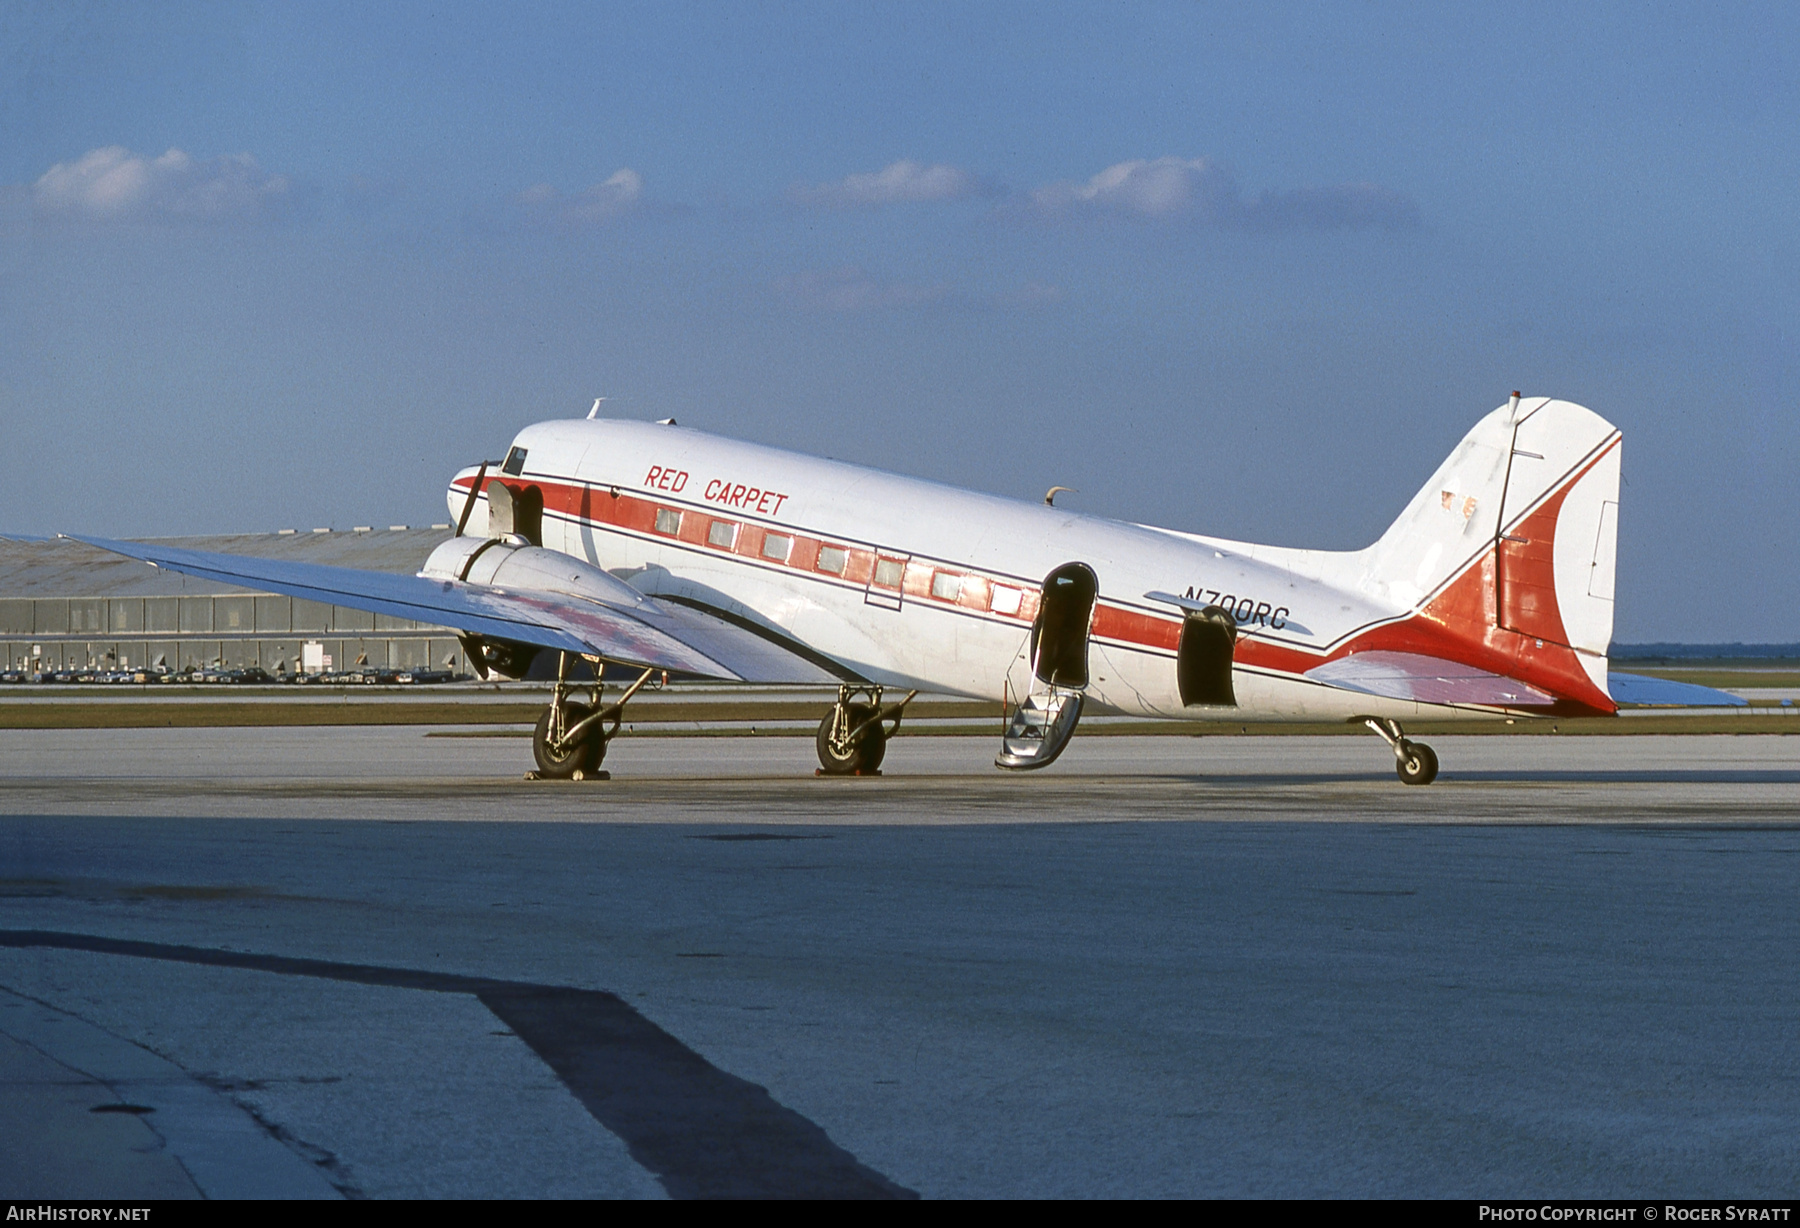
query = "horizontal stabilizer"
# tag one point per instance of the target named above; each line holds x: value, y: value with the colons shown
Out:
x: 1186, y: 603
x: 1639, y: 689
x: 1426, y: 680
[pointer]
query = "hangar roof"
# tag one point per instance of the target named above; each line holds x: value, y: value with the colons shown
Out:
x: 58, y: 567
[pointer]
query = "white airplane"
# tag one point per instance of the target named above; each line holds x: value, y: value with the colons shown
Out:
x: 666, y: 549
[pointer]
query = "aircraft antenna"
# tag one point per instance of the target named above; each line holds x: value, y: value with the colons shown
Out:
x: 594, y: 411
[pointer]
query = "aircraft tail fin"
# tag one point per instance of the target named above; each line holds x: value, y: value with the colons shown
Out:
x: 1517, y: 530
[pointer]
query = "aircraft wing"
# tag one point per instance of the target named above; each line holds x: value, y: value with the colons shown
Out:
x: 1428, y: 680
x: 640, y: 630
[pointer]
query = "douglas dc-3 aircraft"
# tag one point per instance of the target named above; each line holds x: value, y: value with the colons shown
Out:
x: 666, y: 549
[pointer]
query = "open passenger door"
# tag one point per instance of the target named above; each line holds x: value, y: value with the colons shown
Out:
x: 1041, y: 726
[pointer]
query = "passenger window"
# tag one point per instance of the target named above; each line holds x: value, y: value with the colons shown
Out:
x: 515, y: 462
x: 946, y: 587
x: 667, y: 521
x: 723, y: 534
x: 1005, y: 600
x: 776, y: 546
x: 833, y: 559
x: 888, y: 572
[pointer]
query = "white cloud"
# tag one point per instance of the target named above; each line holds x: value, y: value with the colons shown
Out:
x: 902, y: 182
x: 114, y: 184
x: 1201, y: 190
x: 1160, y: 188
x: 604, y: 202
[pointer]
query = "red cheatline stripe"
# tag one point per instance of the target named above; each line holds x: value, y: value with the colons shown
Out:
x: 1423, y: 633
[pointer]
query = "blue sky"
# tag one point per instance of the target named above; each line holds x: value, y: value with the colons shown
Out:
x: 1244, y: 272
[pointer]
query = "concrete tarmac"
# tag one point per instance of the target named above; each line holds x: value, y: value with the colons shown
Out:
x: 1164, y: 966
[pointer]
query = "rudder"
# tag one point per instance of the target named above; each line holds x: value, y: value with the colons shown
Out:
x: 1535, y: 485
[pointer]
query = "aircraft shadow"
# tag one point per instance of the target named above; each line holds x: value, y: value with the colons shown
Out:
x: 1643, y: 776
x: 1648, y: 776
x: 704, y: 1133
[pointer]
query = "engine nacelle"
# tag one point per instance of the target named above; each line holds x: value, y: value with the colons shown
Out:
x: 514, y: 563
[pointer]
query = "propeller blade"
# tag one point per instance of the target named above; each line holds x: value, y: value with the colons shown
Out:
x: 462, y: 521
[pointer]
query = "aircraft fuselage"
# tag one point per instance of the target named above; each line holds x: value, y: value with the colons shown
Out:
x: 911, y: 583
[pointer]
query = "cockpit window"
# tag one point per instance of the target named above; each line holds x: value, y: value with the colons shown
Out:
x: 515, y: 462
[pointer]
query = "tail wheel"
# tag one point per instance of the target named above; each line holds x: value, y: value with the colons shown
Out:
x: 1417, y: 764
x: 584, y: 756
x: 864, y: 755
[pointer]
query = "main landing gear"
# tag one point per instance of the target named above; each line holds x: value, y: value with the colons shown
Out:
x: 570, y: 740
x: 852, y: 737
x: 1415, y: 762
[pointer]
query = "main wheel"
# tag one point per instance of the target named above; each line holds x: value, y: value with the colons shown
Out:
x: 1417, y: 764
x: 864, y: 756
x: 584, y: 756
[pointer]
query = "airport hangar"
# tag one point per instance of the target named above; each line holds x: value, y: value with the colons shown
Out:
x: 65, y: 605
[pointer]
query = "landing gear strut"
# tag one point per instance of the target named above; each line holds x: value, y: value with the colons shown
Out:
x: 1414, y: 762
x: 570, y: 740
x: 852, y: 738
